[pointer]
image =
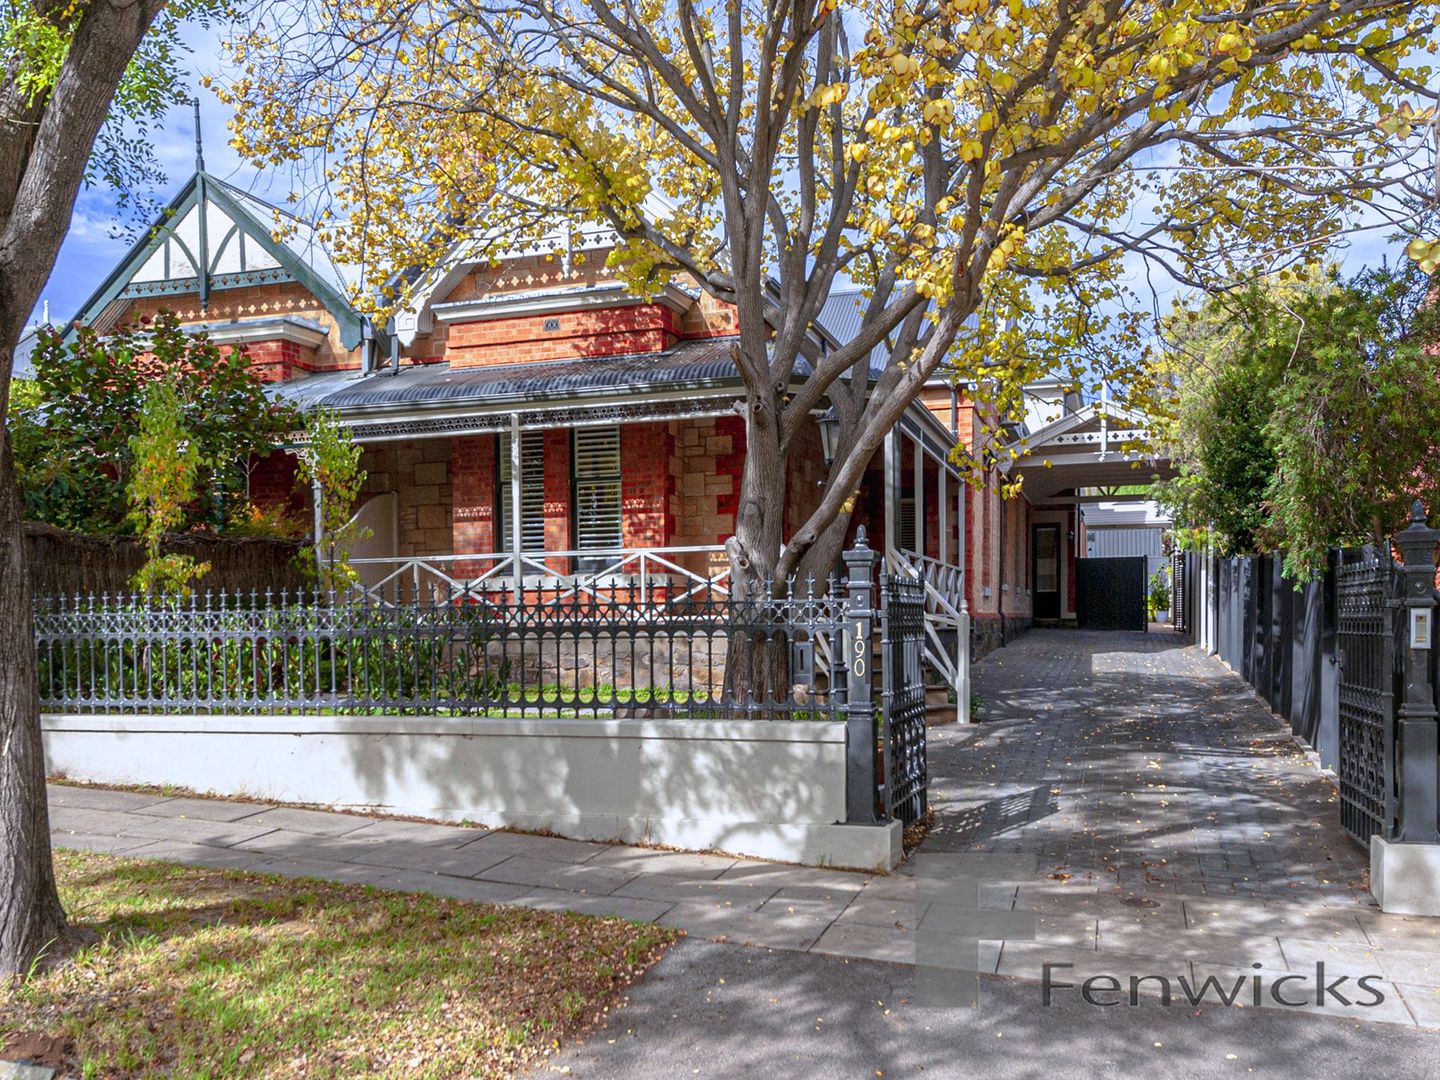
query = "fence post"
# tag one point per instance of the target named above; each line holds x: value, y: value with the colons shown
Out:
x: 860, y: 775
x: 1416, y: 747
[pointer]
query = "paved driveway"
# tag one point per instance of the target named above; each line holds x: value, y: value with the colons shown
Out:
x: 1132, y: 760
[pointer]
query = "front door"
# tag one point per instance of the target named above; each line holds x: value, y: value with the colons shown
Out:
x: 1045, y: 570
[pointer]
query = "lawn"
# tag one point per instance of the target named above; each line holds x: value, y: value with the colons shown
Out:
x: 202, y: 973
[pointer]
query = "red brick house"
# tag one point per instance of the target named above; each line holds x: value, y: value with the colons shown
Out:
x: 609, y: 419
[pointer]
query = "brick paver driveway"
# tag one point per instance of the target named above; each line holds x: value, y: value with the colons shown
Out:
x: 1132, y: 760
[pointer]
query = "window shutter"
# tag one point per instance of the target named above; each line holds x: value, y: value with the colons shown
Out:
x: 532, y: 491
x: 597, y: 489
x: 905, y: 535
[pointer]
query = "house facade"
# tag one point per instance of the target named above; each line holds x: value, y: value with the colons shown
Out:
x: 526, y: 422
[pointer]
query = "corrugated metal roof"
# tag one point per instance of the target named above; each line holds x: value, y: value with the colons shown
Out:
x: 841, y: 316
x: 690, y: 365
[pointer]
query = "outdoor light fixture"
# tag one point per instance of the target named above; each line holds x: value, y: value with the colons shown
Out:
x: 829, y: 432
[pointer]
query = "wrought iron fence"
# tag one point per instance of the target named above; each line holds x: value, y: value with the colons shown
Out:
x: 906, y: 774
x: 1335, y: 657
x: 588, y: 655
x: 1366, y: 626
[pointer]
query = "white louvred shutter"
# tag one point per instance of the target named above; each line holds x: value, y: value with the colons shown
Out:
x: 597, y: 489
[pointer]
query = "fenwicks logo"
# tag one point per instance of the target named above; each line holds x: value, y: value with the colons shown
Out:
x: 1291, y: 990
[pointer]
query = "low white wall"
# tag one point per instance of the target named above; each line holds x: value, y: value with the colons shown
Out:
x: 770, y: 789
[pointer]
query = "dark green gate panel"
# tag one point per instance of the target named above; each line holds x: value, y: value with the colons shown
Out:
x: 1110, y: 593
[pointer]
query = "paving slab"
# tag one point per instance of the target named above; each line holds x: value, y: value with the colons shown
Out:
x: 864, y: 941
x: 1411, y: 932
x: 479, y: 892
x: 1303, y: 993
x: 673, y: 863
x: 553, y: 848
x: 619, y: 907
x: 415, y: 832
x: 676, y: 890
x: 318, y: 822
x: 90, y: 798
x: 204, y: 809
x: 471, y: 860
x: 107, y: 845
x: 215, y: 833
x: 1274, y: 918
x: 798, y: 932
x: 85, y: 820
x: 522, y: 870
x: 1423, y: 1003
x: 1396, y: 965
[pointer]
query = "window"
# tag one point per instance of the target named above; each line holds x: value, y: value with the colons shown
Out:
x: 596, y: 471
x: 532, y: 492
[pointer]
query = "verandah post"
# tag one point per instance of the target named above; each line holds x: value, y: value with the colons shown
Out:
x: 860, y: 772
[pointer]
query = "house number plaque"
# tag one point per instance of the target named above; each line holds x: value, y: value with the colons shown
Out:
x: 1419, y: 628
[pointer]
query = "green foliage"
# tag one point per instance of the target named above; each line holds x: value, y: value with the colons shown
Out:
x: 73, y: 445
x: 37, y: 39
x: 332, y: 462
x: 162, y: 484
x: 1159, y: 598
x: 1305, y: 416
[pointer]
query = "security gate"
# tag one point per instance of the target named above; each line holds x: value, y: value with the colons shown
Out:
x: 902, y: 643
x: 1367, y: 624
x: 1110, y: 593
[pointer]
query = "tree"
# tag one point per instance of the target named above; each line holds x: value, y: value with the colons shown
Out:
x: 74, y: 450
x: 331, y: 462
x: 954, y: 159
x: 68, y: 69
x: 1314, y: 420
x: 162, y: 483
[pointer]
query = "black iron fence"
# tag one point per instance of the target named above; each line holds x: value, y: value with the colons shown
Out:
x: 1350, y: 661
x: 807, y: 651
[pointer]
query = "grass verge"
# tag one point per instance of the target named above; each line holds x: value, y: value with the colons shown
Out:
x: 192, y: 972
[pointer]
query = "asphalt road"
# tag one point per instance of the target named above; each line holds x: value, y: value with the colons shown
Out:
x: 714, y: 1010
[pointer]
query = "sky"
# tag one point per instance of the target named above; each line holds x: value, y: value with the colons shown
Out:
x: 92, y: 247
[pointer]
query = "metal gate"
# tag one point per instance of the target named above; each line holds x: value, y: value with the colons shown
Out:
x: 902, y: 641
x: 1367, y: 624
x: 1110, y: 593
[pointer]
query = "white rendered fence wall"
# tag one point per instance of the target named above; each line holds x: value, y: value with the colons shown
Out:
x: 767, y: 789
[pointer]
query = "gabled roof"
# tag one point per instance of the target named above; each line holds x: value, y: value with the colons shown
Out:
x: 215, y: 236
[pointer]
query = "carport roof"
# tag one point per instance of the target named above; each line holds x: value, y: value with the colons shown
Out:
x: 1100, y: 445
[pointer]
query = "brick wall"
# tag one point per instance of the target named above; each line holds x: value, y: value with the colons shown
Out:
x: 559, y: 496
x: 418, y: 472
x: 709, y: 457
x: 807, y: 474
x: 639, y: 328
x: 647, y: 485
x: 274, y: 482
x: 256, y: 302
x: 472, y: 472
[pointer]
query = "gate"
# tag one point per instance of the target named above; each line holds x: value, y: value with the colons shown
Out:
x: 904, y: 770
x: 1110, y: 593
x: 1367, y: 623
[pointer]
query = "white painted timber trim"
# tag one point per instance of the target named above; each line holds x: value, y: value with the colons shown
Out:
x: 499, y: 307
x: 301, y: 332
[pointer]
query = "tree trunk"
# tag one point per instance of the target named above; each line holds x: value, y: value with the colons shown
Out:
x: 757, y: 664
x: 31, y: 918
